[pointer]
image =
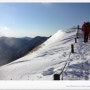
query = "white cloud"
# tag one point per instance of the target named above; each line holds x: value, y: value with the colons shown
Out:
x: 4, y: 28
x: 6, y: 31
x: 11, y: 32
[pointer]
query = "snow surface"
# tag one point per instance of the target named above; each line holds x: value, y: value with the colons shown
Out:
x: 51, y: 58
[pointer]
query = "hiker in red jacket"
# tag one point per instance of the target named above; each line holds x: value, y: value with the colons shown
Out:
x: 86, y: 30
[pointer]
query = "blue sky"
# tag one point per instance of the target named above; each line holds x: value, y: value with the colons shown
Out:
x: 44, y: 19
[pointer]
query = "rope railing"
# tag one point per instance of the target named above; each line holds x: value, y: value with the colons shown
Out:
x: 64, y: 69
x: 60, y: 76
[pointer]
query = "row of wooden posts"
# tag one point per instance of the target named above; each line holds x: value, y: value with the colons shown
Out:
x: 57, y: 76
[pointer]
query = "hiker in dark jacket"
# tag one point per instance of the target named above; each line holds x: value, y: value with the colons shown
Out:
x: 86, y: 30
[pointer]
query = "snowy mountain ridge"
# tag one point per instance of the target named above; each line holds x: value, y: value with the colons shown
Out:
x: 51, y: 58
x: 57, y: 36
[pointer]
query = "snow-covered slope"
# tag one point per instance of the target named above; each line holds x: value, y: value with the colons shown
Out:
x: 49, y: 59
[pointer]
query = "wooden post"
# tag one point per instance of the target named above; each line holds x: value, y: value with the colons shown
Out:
x: 56, y: 76
x: 77, y: 34
x: 78, y: 28
x: 72, y: 48
x: 75, y: 40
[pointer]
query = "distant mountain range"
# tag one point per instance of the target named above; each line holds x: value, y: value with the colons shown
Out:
x: 14, y: 48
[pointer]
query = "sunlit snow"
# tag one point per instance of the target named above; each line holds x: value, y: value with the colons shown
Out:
x: 50, y: 58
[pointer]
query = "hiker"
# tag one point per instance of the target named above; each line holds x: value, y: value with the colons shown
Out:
x: 86, y: 30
